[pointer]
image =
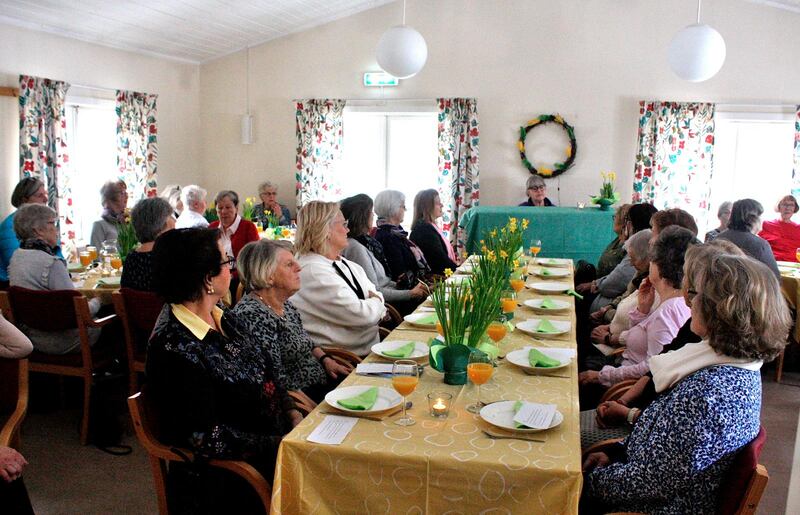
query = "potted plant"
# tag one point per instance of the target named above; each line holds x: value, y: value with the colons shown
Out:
x: 608, y: 196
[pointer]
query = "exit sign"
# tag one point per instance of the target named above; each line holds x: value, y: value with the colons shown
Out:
x: 380, y: 79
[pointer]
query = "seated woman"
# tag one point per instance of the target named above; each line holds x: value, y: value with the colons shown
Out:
x: 268, y: 193
x: 211, y: 388
x: 367, y: 252
x: 150, y: 217
x: 537, y: 193
x: 114, y: 198
x: 338, y: 304
x: 682, y: 445
x: 783, y: 235
x: 612, y: 255
x: 36, y: 266
x: 651, y: 329
x: 27, y: 191
x: 428, y: 236
x: 743, y: 227
x: 235, y: 231
x: 270, y: 273
x: 723, y: 215
x: 13, y: 342
x: 406, y: 260
x: 172, y: 194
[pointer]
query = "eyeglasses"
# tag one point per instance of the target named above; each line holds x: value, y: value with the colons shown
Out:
x: 345, y: 223
x: 536, y: 188
x: 52, y: 222
x: 229, y: 261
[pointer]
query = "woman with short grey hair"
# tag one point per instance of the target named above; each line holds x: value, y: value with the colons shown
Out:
x: 724, y: 216
x: 151, y: 217
x: 268, y: 193
x: 29, y: 190
x: 744, y: 225
x: 36, y: 266
x: 114, y: 198
x: 536, y: 190
x: 194, y: 207
x: 269, y: 271
x: 406, y: 261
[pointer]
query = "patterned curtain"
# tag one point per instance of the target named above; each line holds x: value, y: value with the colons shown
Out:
x: 458, y: 164
x: 43, y: 143
x: 319, y: 149
x: 137, y: 143
x: 674, y: 161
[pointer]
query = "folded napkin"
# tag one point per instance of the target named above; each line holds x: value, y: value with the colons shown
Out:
x: 403, y: 351
x: 545, y: 272
x: 547, y: 327
x: 539, y: 359
x: 109, y: 281
x: 574, y: 294
x: 363, y: 401
x: 75, y: 267
x: 429, y: 319
x: 547, y: 303
x: 517, y: 406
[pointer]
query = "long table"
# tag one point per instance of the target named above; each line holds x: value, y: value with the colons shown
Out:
x: 565, y: 231
x: 790, y: 286
x: 442, y: 466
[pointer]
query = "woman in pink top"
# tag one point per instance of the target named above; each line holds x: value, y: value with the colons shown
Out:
x: 650, y: 331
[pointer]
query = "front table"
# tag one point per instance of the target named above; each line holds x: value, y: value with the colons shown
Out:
x: 440, y: 466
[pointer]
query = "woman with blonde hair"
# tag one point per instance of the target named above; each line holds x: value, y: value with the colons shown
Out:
x: 338, y: 304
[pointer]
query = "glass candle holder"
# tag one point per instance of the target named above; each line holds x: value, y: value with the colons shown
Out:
x: 439, y: 404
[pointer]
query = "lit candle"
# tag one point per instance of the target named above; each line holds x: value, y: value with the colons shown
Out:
x: 439, y: 408
x: 439, y: 404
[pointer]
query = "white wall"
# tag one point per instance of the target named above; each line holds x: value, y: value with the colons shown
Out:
x: 177, y: 84
x: 590, y: 60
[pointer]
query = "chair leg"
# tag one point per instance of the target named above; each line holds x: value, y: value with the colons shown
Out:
x: 133, y: 380
x: 159, y: 472
x: 87, y: 399
x: 779, y: 367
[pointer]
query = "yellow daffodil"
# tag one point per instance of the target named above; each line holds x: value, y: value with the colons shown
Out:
x: 525, y: 223
x: 448, y: 272
x: 512, y: 220
x: 493, y: 233
x: 612, y: 176
x: 569, y: 152
x: 558, y: 118
x: 546, y: 172
x: 516, y: 263
x: 521, y: 146
x: 484, y: 248
x: 503, y: 254
x: 535, y: 121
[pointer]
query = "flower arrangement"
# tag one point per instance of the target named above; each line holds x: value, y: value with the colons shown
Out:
x: 271, y: 218
x: 557, y: 168
x: 607, y: 195
x: 211, y: 212
x: 126, y: 237
x: 247, y: 208
x: 505, y: 243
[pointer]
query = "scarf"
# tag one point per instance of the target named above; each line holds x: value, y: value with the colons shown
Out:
x: 671, y: 367
x: 376, y: 248
x: 112, y: 217
x: 450, y: 252
x: 38, y: 244
x: 399, y: 232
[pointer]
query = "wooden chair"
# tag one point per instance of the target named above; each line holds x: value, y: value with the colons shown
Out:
x: 392, y: 319
x: 138, y: 311
x: 345, y: 357
x: 383, y: 333
x: 303, y: 402
x: 147, y: 431
x: 617, y: 390
x: 56, y: 311
x: 13, y: 400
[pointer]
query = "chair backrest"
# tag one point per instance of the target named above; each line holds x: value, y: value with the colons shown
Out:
x: 735, y: 483
x: 13, y: 399
x: 141, y: 309
x: 147, y: 429
x: 46, y: 310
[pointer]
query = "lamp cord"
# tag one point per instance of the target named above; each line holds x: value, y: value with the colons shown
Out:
x: 404, y: 12
x: 699, y: 2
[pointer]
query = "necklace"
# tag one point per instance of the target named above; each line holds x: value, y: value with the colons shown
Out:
x: 270, y: 306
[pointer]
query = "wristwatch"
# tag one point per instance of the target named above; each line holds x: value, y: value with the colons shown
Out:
x: 632, y: 414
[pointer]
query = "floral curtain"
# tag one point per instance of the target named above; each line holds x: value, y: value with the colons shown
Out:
x: 319, y: 149
x: 458, y: 164
x: 137, y: 143
x: 674, y: 160
x: 43, y: 143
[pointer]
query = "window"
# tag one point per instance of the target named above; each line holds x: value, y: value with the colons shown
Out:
x: 753, y: 158
x: 92, y: 126
x: 389, y: 150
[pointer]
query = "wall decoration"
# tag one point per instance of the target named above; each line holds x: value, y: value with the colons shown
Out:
x: 556, y: 168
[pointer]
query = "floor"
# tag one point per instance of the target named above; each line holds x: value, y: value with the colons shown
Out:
x: 64, y: 477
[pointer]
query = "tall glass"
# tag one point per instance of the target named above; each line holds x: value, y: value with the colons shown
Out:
x: 479, y: 371
x: 405, y: 376
x: 536, y: 247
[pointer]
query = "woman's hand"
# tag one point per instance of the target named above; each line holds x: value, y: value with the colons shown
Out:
x: 600, y: 333
x: 596, y: 460
x: 275, y: 208
x: 584, y: 287
x: 11, y: 464
x: 647, y: 296
x: 612, y: 414
x: 598, y: 315
x: 334, y: 369
x: 420, y: 291
x: 295, y: 417
x: 589, y: 377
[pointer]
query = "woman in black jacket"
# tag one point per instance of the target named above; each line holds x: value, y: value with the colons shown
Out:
x: 428, y: 236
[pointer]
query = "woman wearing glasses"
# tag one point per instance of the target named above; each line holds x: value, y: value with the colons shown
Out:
x: 338, y: 304
x: 782, y: 234
x: 537, y: 193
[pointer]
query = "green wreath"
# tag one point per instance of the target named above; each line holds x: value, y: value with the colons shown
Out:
x: 557, y: 168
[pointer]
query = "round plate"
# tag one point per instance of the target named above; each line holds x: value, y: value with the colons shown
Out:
x: 501, y: 414
x: 551, y: 272
x: 520, y: 358
x: 456, y: 279
x: 549, y: 287
x: 387, y: 398
x: 553, y: 261
x: 414, y: 318
x: 421, y: 349
x: 529, y: 326
x: 536, y: 305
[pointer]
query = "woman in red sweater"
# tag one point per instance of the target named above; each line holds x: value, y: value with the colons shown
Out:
x: 235, y: 231
x: 783, y: 235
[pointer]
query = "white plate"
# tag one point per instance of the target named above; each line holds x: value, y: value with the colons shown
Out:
x: 387, y: 398
x: 520, y: 358
x: 529, y: 326
x: 501, y: 414
x: 551, y: 272
x: 552, y: 261
x: 414, y: 317
x: 421, y: 349
x: 549, y: 287
x: 536, y: 305
x: 456, y: 279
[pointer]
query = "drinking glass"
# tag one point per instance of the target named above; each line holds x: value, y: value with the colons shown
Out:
x: 497, y: 330
x: 92, y: 250
x: 536, y: 247
x: 517, y: 284
x: 86, y: 258
x: 508, y: 303
x: 116, y: 262
x: 405, y: 376
x: 797, y: 254
x: 479, y: 371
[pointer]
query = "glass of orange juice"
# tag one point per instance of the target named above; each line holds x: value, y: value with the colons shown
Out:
x: 92, y: 252
x: 405, y: 376
x: 797, y: 254
x: 508, y: 303
x: 536, y: 247
x: 116, y: 262
x: 85, y: 257
x: 517, y: 283
x: 497, y: 329
x: 479, y: 371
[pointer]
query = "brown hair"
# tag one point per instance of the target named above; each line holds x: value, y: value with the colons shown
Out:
x: 787, y: 197
x: 663, y: 219
x: 424, y: 204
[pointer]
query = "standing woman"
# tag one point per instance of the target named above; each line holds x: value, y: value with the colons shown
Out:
x: 114, y: 197
x: 428, y: 236
x: 339, y: 305
x: 235, y: 232
x: 28, y: 191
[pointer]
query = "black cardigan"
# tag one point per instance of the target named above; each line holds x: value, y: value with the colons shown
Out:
x: 427, y: 238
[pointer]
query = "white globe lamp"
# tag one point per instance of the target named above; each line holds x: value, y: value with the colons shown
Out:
x: 696, y: 53
x: 402, y: 52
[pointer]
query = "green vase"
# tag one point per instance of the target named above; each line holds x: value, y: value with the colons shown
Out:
x: 452, y: 360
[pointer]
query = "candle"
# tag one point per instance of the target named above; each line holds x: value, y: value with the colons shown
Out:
x: 439, y: 403
x: 439, y: 408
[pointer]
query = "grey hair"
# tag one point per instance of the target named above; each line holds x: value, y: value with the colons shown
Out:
x: 191, y: 194
x: 534, y: 180
x: 149, y: 216
x: 264, y: 186
x: 388, y: 203
x: 725, y: 206
x: 639, y: 244
x: 172, y: 194
x: 30, y: 218
x: 257, y: 262
x: 232, y: 195
x: 110, y: 192
x: 25, y: 189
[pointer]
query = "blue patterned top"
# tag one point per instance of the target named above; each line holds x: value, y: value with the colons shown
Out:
x: 683, y: 444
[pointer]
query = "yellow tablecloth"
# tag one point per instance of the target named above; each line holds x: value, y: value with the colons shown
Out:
x: 90, y: 289
x: 790, y: 280
x: 442, y: 466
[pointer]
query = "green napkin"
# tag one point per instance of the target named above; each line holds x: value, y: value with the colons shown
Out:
x: 539, y: 359
x: 403, y: 351
x: 363, y: 401
x: 517, y: 406
x: 109, y: 281
x: 75, y: 267
x: 490, y: 349
x: 547, y: 327
x: 545, y: 272
x: 429, y: 319
x: 547, y: 303
x: 575, y: 294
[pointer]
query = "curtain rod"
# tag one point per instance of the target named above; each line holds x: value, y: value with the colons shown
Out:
x: 768, y: 106
x: 96, y: 88
x: 372, y: 99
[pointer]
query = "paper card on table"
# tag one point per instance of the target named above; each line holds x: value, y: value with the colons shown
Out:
x: 535, y: 415
x: 332, y: 430
x: 373, y: 368
x: 78, y: 284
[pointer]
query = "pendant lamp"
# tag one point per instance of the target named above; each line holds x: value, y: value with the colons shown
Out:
x: 696, y: 52
x: 402, y: 51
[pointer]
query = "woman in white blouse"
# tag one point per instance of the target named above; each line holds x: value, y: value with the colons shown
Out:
x: 338, y: 304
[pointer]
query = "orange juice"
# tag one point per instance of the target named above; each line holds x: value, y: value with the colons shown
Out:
x: 116, y: 262
x: 535, y: 250
x: 92, y: 252
x: 86, y: 258
x: 439, y: 328
x: 509, y: 305
x: 496, y: 331
x: 479, y: 373
x: 404, y: 384
x: 517, y: 284
x: 797, y: 255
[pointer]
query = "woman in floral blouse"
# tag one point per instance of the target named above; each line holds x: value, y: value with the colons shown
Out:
x: 211, y: 389
x: 270, y: 273
x: 710, y: 397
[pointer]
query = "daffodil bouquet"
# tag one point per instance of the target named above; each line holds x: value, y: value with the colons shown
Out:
x: 505, y: 244
x: 126, y: 237
x: 271, y: 218
x: 247, y: 208
x: 607, y: 195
